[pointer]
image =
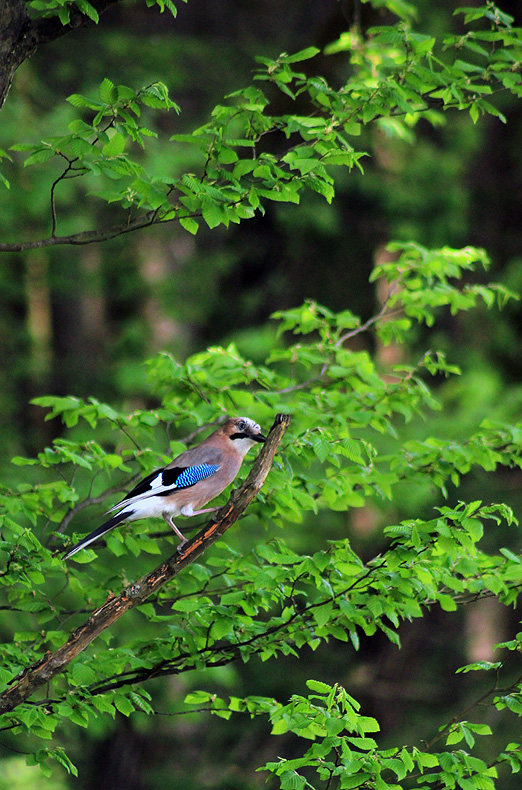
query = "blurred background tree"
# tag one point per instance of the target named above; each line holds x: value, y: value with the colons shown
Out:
x: 82, y: 321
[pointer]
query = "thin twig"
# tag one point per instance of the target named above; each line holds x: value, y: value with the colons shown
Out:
x: 55, y: 183
x: 367, y: 324
x: 92, y: 500
x: 357, y: 331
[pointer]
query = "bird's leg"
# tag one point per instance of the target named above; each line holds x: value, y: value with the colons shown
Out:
x: 198, y: 512
x: 169, y: 521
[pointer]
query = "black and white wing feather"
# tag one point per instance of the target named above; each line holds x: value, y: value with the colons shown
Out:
x: 165, y: 481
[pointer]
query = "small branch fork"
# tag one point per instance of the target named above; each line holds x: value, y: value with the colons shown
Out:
x: 52, y: 664
x: 84, y: 237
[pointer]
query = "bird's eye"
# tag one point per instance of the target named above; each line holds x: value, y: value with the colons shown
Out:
x: 241, y: 426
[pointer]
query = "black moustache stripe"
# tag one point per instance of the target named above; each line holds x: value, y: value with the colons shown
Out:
x: 256, y: 437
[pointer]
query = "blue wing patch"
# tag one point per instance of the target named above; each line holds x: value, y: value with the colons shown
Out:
x: 193, y: 474
x: 168, y: 480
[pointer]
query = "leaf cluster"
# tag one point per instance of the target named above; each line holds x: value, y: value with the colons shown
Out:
x: 397, y: 77
x: 346, y: 449
x: 63, y: 8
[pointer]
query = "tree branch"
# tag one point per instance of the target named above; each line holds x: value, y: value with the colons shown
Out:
x: 219, y: 655
x: 52, y: 664
x: 85, y: 236
x: 367, y: 324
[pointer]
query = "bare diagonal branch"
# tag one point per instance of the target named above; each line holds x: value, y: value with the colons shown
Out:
x: 52, y: 664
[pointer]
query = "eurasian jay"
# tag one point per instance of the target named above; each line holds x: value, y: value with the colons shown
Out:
x: 187, y: 483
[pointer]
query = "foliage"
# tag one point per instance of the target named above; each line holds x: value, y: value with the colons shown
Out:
x: 272, y: 600
x: 62, y: 8
x: 345, y: 753
x: 398, y: 77
x: 350, y: 444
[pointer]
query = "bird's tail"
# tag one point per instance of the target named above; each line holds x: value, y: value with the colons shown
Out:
x: 106, y: 527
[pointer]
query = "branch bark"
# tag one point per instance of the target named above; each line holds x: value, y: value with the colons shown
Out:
x: 52, y: 664
x: 20, y: 36
x: 85, y: 236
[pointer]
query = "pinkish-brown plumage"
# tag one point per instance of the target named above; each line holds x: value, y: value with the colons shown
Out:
x: 186, y: 484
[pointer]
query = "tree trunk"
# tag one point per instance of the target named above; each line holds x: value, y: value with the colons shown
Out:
x: 20, y: 35
x: 14, y: 24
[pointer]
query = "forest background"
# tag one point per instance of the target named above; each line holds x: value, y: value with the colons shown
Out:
x: 81, y: 321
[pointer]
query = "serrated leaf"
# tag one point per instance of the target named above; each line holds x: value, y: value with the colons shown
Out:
x: 212, y: 214
x: 87, y: 9
x: 39, y: 156
x: 124, y: 705
x: 108, y: 92
x: 77, y: 100
x: 189, y: 224
x: 115, y: 146
x: 318, y: 685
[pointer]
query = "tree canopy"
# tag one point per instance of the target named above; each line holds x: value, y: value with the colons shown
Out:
x: 381, y: 514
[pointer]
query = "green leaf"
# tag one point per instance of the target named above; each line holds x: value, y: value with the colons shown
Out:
x: 123, y: 704
x: 87, y: 9
x: 303, y: 54
x: 40, y: 155
x: 115, y: 146
x: 188, y: 604
x: 77, y: 100
x: 212, y: 214
x: 189, y: 224
x: 108, y: 92
x: 64, y: 15
x: 317, y: 685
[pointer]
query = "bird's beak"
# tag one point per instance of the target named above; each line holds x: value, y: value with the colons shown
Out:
x: 259, y: 437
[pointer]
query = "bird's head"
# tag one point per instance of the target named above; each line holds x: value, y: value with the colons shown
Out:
x: 243, y: 433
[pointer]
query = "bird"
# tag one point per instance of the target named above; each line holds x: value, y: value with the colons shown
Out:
x: 185, y: 485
